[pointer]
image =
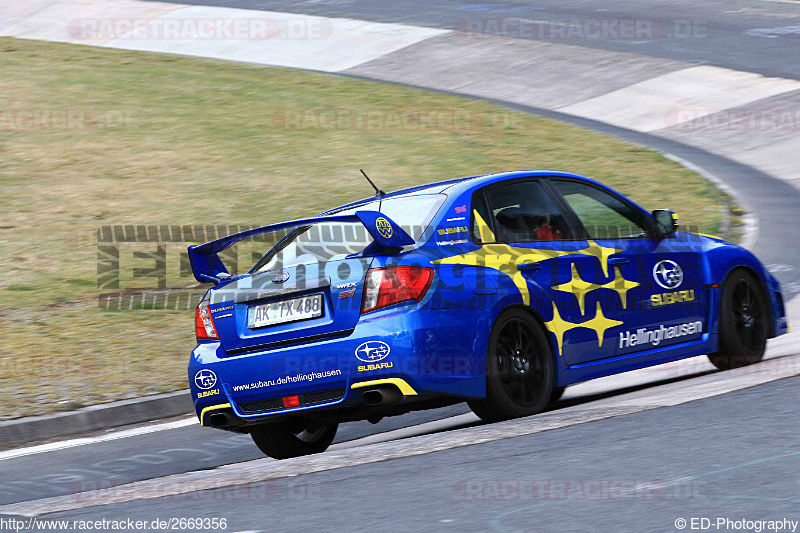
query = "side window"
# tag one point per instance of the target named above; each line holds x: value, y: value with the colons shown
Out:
x: 522, y: 212
x: 603, y: 215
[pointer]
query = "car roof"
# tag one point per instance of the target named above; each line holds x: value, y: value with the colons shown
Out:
x: 459, y: 185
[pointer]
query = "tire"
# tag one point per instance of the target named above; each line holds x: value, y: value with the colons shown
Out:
x: 743, y: 322
x: 557, y: 393
x: 293, y: 438
x: 520, y: 372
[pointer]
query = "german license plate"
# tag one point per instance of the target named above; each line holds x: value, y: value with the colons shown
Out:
x: 304, y: 308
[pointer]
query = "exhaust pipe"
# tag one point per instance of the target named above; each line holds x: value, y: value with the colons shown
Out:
x: 381, y: 395
x: 218, y: 420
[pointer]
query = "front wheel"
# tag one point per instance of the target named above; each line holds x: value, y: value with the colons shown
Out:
x: 557, y: 393
x: 293, y: 438
x: 519, y: 369
x: 743, y: 322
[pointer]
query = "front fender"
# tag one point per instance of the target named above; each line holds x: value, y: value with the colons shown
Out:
x: 723, y: 257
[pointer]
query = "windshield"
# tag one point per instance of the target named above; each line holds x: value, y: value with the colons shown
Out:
x: 328, y: 241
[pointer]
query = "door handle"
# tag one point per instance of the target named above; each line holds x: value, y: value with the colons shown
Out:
x: 618, y: 260
x: 529, y: 267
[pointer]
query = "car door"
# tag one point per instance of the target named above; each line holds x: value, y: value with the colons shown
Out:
x: 548, y: 264
x: 650, y: 289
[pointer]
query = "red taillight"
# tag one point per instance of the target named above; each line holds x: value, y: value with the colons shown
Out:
x: 291, y: 401
x: 204, y: 328
x: 390, y: 285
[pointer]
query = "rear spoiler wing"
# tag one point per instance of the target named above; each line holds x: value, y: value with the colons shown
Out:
x: 207, y: 266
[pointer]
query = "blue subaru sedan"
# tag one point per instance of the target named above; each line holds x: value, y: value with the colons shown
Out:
x: 498, y: 290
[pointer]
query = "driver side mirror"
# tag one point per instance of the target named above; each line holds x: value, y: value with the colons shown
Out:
x: 666, y: 222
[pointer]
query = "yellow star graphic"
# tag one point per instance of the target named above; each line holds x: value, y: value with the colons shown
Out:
x: 600, y: 324
x: 559, y: 326
x: 621, y: 286
x: 600, y: 252
x: 578, y: 287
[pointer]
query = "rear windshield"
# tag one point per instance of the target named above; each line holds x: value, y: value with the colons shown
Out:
x: 328, y: 241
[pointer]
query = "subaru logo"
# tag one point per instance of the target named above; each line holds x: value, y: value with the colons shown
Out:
x: 205, y: 379
x: 668, y: 274
x: 372, y: 351
x: 280, y: 278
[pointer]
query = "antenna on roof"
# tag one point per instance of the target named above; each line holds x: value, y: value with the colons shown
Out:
x: 378, y: 192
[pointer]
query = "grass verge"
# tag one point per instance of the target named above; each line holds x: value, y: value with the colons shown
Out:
x: 91, y: 136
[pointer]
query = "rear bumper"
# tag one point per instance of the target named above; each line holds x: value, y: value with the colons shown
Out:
x: 430, y: 353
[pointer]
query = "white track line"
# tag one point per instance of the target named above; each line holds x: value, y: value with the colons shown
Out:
x: 83, y: 441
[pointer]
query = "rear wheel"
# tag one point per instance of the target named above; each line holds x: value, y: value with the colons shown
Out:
x: 519, y: 369
x: 293, y: 438
x: 743, y: 322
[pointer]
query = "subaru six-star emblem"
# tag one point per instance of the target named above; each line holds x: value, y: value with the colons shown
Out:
x: 280, y: 278
x: 372, y: 351
x: 668, y: 274
x: 205, y: 379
